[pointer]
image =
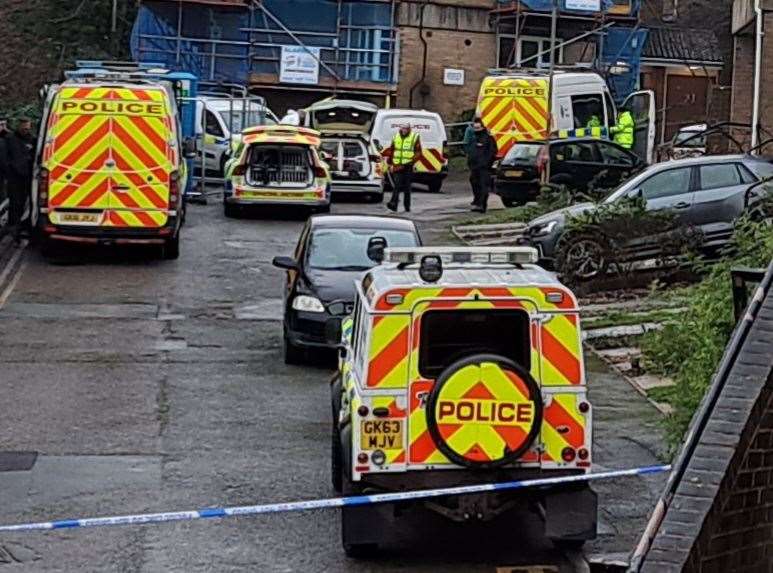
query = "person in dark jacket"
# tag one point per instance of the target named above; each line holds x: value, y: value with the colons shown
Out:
x: 21, y: 157
x: 481, y: 153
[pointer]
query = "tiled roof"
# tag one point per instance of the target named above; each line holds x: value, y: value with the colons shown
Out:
x: 680, y: 45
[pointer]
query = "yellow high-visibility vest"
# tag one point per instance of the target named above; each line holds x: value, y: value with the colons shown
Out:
x: 404, y: 148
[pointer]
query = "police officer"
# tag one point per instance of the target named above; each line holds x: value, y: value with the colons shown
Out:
x: 623, y: 132
x: 401, y: 156
x: 480, y: 157
x: 20, y: 155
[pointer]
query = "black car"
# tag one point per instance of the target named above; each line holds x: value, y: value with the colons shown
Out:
x: 331, y: 254
x: 573, y: 162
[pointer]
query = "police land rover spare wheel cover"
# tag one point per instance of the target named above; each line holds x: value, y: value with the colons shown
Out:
x: 484, y: 411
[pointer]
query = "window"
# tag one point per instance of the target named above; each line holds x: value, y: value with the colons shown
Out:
x: 615, y: 156
x: 450, y: 335
x: 213, y: 125
x: 747, y: 175
x: 667, y: 183
x: 573, y: 152
x: 717, y: 176
x: 523, y: 54
x: 588, y: 110
x: 347, y: 249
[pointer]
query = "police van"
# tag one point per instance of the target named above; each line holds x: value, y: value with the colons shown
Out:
x: 110, y: 164
x: 535, y: 106
x: 461, y: 366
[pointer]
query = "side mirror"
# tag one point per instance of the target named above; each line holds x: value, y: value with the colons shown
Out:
x: 189, y: 148
x: 286, y: 263
x: 337, y: 308
x: 333, y: 332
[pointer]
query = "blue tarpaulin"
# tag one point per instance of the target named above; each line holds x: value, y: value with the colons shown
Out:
x: 623, y: 45
x: 581, y: 6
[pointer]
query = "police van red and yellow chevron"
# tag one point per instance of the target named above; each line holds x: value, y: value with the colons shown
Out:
x: 111, y: 165
x: 462, y: 366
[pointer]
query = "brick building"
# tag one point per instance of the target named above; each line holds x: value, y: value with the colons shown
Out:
x: 744, y: 44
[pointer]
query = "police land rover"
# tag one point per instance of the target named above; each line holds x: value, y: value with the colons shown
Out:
x: 461, y: 366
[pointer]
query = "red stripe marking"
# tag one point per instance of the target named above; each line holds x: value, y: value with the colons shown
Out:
x: 95, y: 194
x: 142, y: 94
x: 80, y: 179
x: 116, y: 219
x: 491, y: 105
x: 142, y: 124
x: 514, y: 436
x: 561, y: 359
x: 128, y: 201
x: 556, y: 415
x: 534, y: 334
x: 479, y: 392
x: 388, y: 358
x: 140, y: 184
x: 477, y: 453
x: 500, y: 116
x: 129, y: 142
x: 505, y: 148
x: 422, y: 447
x: 400, y: 459
x: 416, y: 332
x: 449, y: 293
x: 571, y: 318
x: 527, y: 117
x: 82, y: 93
x: 518, y: 383
x: 86, y: 145
x: 438, y: 154
x: 395, y: 411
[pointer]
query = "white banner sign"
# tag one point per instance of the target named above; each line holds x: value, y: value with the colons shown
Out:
x: 586, y: 5
x: 299, y: 65
x: 452, y: 77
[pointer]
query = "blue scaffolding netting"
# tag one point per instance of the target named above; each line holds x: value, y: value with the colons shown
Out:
x: 630, y: 7
x: 622, y: 49
x: 226, y: 44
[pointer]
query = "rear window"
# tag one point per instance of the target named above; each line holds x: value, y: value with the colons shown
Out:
x: 450, y: 335
x: 689, y: 139
x: 522, y: 152
x: 429, y: 128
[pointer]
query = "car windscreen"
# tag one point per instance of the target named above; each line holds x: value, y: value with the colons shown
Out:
x: 523, y: 153
x: 346, y: 249
x: 237, y: 120
x: 689, y: 139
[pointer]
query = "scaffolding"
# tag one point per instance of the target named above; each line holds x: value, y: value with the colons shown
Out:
x: 536, y: 34
x: 355, y: 43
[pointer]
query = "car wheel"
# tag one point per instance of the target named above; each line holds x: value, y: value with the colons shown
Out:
x: 171, y: 248
x: 510, y: 202
x: 230, y: 211
x: 581, y: 257
x: 435, y: 186
x: 293, y: 355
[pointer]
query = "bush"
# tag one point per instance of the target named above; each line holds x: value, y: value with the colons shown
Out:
x: 689, y: 350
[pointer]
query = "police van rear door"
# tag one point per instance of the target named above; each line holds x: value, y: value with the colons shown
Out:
x: 642, y: 106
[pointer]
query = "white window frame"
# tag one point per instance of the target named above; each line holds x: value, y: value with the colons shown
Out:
x: 544, y: 45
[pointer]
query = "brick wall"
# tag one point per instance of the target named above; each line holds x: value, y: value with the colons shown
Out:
x: 737, y: 535
x: 472, y: 52
x: 743, y: 79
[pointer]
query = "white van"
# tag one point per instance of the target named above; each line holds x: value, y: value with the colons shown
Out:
x: 514, y: 106
x: 432, y: 166
x: 220, y: 121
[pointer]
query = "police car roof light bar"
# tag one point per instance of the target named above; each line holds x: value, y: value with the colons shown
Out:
x: 474, y: 255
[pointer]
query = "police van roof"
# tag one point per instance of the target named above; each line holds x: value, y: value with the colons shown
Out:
x: 391, y: 276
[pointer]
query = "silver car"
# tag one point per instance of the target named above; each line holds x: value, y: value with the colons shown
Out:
x: 708, y: 193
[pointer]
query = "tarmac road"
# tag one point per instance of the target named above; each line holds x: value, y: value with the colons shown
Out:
x: 148, y: 385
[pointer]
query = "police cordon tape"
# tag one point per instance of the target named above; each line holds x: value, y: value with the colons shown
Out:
x: 222, y: 512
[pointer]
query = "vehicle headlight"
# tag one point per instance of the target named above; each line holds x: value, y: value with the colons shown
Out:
x: 543, y: 229
x: 308, y: 304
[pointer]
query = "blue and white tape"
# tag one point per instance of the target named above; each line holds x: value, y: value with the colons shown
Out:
x: 221, y: 512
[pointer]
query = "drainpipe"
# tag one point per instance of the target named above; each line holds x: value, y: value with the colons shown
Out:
x: 424, y: 62
x: 757, y: 72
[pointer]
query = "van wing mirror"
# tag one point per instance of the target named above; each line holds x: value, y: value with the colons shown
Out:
x: 190, y: 149
x: 286, y: 263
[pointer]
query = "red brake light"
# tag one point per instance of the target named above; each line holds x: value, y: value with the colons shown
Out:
x: 568, y: 455
x: 174, y: 188
x: 240, y: 170
x: 319, y: 171
x: 43, y: 183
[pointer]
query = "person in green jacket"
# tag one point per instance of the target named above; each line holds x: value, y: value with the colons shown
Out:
x: 623, y: 132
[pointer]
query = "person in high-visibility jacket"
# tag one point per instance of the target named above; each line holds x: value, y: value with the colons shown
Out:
x: 623, y: 132
x: 401, y: 156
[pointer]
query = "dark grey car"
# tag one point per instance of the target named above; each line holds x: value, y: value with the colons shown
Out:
x: 708, y: 193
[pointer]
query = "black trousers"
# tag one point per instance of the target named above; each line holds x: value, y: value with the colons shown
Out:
x: 18, y: 193
x: 401, y: 183
x: 480, y: 179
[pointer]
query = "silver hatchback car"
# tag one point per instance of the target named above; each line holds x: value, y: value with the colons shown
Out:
x: 707, y: 192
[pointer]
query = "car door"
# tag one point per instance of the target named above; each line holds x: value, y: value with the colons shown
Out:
x: 670, y: 190
x: 573, y: 163
x: 720, y: 197
x: 619, y: 164
x: 642, y: 106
